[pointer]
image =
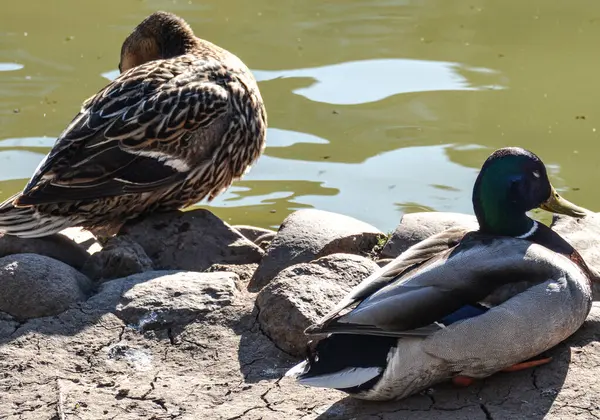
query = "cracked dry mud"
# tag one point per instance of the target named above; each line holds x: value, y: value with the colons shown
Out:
x: 207, y: 357
x: 87, y: 364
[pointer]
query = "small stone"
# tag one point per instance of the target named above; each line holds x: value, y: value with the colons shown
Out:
x: 33, y: 286
x: 309, y: 234
x: 416, y: 227
x: 192, y: 240
x: 120, y: 257
x: 244, y: 271
x: 175, y: 299
x: 300, y: 295
x: 253, y: 233
x: 55, y: 246
x: 265, y: 240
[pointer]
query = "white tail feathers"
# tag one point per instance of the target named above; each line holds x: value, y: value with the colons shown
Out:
x: 345, y: 378
x: 297, y: 370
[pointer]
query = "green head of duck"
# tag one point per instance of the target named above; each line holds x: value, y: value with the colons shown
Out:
x: 512, y: 182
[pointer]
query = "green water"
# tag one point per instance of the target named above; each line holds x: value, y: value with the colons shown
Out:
x: 376, y: 107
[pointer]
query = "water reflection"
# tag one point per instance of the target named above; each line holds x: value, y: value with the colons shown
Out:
x: 286, y: 138
x: 18, y: 164
x: 397, y: 176
x: 375, y: 107
x: 360, y: 82
x: 110, y: 75
x: 10, y: 66
x: 30, y: 142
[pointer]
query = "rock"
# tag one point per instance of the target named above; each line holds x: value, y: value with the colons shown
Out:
x: 82, y: 237
x: 175, y: 299
x: 33, y: 286
x: 265, y: 240
x: 109, y: 293
x: 8, y: 325
x: 254, y: 233
x: 308, y: 234
x: 120, y: 257
x: 244, y: 271
x: 385, y: 261
x: 415, y: 227
x: 86, y: 364
x: 192, y: 240
x: 300, y: 295
x: 584, y: 236
x: 56, y: 246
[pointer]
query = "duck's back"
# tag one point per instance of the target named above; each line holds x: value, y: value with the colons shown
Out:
x: 164, y: 135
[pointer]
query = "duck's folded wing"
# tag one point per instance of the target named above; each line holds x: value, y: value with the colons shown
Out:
x: 457, y: 278
x: 412, y: 258
x: 128, y: 138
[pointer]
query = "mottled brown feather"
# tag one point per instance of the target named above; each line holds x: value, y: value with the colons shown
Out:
x: 181, y: 123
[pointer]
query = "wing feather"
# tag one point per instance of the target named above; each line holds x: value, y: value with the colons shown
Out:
x: 412, y: 258
x: 415, y: 299
x: 120, y: 142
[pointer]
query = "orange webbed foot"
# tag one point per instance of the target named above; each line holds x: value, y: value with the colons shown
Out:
x: 463, y: 381
x: 527, y: 365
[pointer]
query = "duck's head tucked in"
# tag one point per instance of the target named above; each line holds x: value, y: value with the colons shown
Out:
x: 182, y: 122
x: 161, y: 35
x: 513, y: 181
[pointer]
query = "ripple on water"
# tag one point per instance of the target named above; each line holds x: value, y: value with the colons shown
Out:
x: 45, y: 142
x: 277, y: 137
x: 18, y: 164
x: 415, y: 182
x: 364, y: 81
x: 358, y: 82
x: 110, y: 75
x: 10, y: 66
x: 335, y: 182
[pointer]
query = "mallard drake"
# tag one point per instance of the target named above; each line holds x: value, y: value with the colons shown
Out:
x: 182, y: 121
x: 461, y: 304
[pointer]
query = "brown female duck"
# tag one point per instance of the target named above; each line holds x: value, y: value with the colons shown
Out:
x: 183, y: 120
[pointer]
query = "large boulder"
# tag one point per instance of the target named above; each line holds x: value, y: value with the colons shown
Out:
x: 33, y: 286
x: 56, y: 246
x: 416, y: 227
x: 120, y: 257
x: 309, y: 234
x: 170, y: 298
x: 584, y: 235
x: 300, y: 295
x: 192, y: 240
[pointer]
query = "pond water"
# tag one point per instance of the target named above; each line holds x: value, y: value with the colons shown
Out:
x: 376, y: 107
